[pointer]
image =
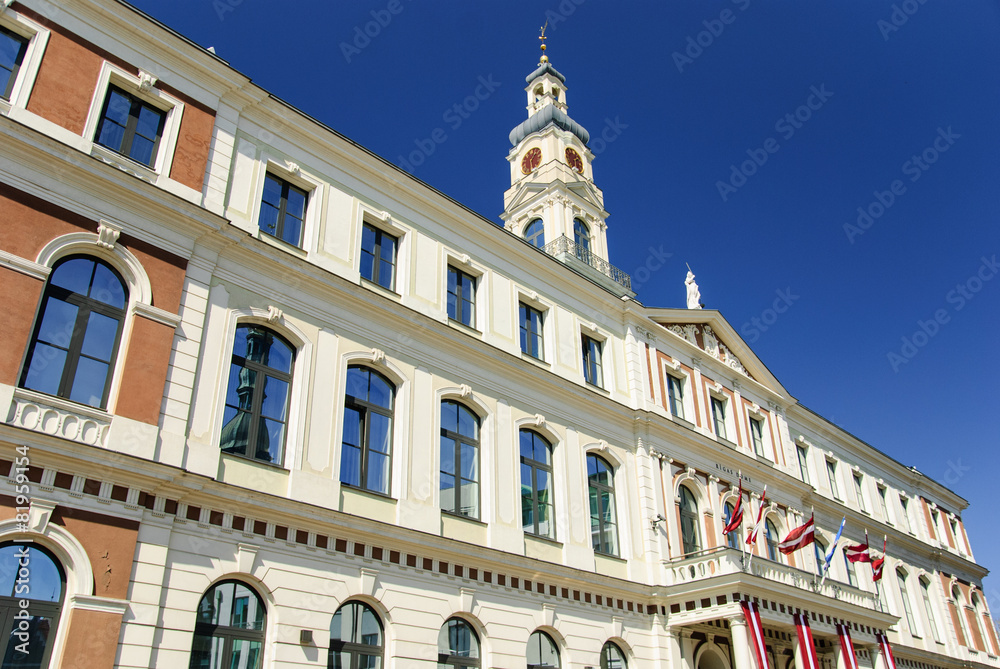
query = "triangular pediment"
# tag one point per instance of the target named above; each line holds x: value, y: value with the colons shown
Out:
x: 526, y: 193
x: 708, y: 331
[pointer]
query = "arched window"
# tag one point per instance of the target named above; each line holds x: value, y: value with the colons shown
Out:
x: 77, y: 332
x: 229, y: 630
x: 771, y: 539
x: 355, y: 638
x: 536, y: 485
x: 904, y: 597
x: 542, y: 652
x: 458, y: 645
x: 925, y: 593
x: 29, y: 645
x: 260, y: 379
x: 734, y: 538
x: 849, y: 568
x: 981, y: 621
x: 690, y: 534
x: 603, y: 521
x: 366, y: 454
x: 820, y: 549
x: 459, y: 460
x: 581, y: 237
x: 535, y: 233
x: 612, y: 657
x: 956, y: 595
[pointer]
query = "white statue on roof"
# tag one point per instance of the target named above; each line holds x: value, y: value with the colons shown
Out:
x: 693, y: 294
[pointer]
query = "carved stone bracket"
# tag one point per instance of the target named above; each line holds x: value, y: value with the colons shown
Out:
x: 274, y: 314
x: 146, y: 81
x: 378, y: 356
x: 107, y: 234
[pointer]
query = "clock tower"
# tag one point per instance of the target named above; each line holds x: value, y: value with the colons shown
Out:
x: 552, y: 201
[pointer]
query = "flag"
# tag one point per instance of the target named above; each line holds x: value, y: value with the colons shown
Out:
x: 847, y: 647
x: 752, y: 615
x: 878, y: 563
x: 806, y: 644
x: 833, y: 546
x: 883, y: 642
x: 737, y: 518
x: 752, y: 539
x: 857, y: 553
x: 798, y: 538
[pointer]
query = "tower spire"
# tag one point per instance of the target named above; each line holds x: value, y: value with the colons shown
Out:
x: 542, y: 37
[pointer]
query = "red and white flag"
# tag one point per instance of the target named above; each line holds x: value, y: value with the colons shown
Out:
x: 858, y: 553
x: 883, y: 644
x: 737, y: 518
x: 806, y: 645
x: 879, y: 563
x: 752, y: 615
x: 800, y: 537
x: 847, y: 647
x: 752, y: 539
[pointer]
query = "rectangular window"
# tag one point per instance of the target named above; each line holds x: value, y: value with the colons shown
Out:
x: 757, y: 436
x: 282, y: 210
x: 461, y: 297
x: 531, y: 331
x: 831, y: 471
x: 803, y: 463
x: 130, y: 126
x: 883, y: 504
x: 905, y: 505
x: 12, y: 49
x: 859, y: 492
x: 719, y: 417
x: 593, y: 373
x: 675, y: 395
x: 378, y: 256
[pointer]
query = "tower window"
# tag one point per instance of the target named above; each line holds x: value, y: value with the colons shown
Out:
x: 581, y: 237
x: 535, y: 233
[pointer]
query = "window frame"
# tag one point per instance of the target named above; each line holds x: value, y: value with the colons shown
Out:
x: 259, y: 394
x: 173, y: 109
x: 376, y: 254
x: 10, y: 606
x: 859, y: 490
x: 904, y: 506
x: 852, y: 577
x: 536, y: 238
x: 354, y: 648
x: 286, y: 186
x: 555, y: 648
x: 693, y: 516
x: 606, y: 650
x: 907, y: 604
x: 676, y: 402
x: 459, y: 295
x: 364, y: 409
x: 85, y: 306
x: 925, y: 595
x: 757, y: 438
x: 733, y: 539
x: 831, y: 475
x: 460, y: 440
x: 231, y: 633
x: 129, y: 132
x: 884, y: 502
x: 22, y: 83
x: 534, y: 467
x: 802, y: 455
x: 718, y: 406
x: 450, y: 660
x: 593, y: 371
x: 527, y: 309
x: 771, y: 540
x: 607, y: 532
x: 22, y: 53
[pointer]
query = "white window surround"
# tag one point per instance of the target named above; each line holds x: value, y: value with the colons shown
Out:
x: 383, y: 221
x: 487, y: 479
x: 112, y: 75
x: 463, y: 262
x: 590, y: 329
x: 38, y: 38
x: 295, y: 175
x: 727, y: 406
x: 767, y: 444
x: 531, y: 298
x: 687, y: 384
x: 301, y: 368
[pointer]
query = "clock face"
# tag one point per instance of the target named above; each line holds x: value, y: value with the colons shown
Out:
x: 573, y: 160
x: 531, y: 160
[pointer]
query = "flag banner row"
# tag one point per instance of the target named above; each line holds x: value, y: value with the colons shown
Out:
x: 806, y: 645
x: 756, y: 629
x: 847, y: 647
x: 883, y: 644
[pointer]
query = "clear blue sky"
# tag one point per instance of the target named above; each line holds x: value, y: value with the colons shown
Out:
x: 884, y: 88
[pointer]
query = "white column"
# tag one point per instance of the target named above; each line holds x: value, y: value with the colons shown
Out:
x: 674, y: 654
x: 741, y: 644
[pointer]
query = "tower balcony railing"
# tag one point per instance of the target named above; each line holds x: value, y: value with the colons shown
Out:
x: 564, y: 246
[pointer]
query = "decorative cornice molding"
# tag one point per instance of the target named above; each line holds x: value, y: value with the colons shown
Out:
x: 24, y: 266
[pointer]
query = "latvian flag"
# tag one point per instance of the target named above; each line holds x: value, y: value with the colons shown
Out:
x: 752, y: 615
x: 858, y: 553
x: 798, y: 538
x: 737, y: 518
x: 752, y: 539
x: 883, y: 642
x: 878, y: 563
x: 847, y: 647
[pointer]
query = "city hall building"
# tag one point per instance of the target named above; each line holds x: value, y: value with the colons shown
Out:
x: 266, y: 401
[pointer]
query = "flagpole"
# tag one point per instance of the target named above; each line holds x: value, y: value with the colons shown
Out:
x: 743, y: 552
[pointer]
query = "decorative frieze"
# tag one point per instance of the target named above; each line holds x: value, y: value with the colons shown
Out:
x: 40, y: 413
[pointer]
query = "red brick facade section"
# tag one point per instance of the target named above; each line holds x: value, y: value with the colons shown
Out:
x: 193, y: 144
x: 22, y: 295
x: 144, y: 373
x: 66, y: 82
x: 92, y: 639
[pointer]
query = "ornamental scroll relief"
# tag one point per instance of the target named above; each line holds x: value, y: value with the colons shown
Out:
x: 704, y: 338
